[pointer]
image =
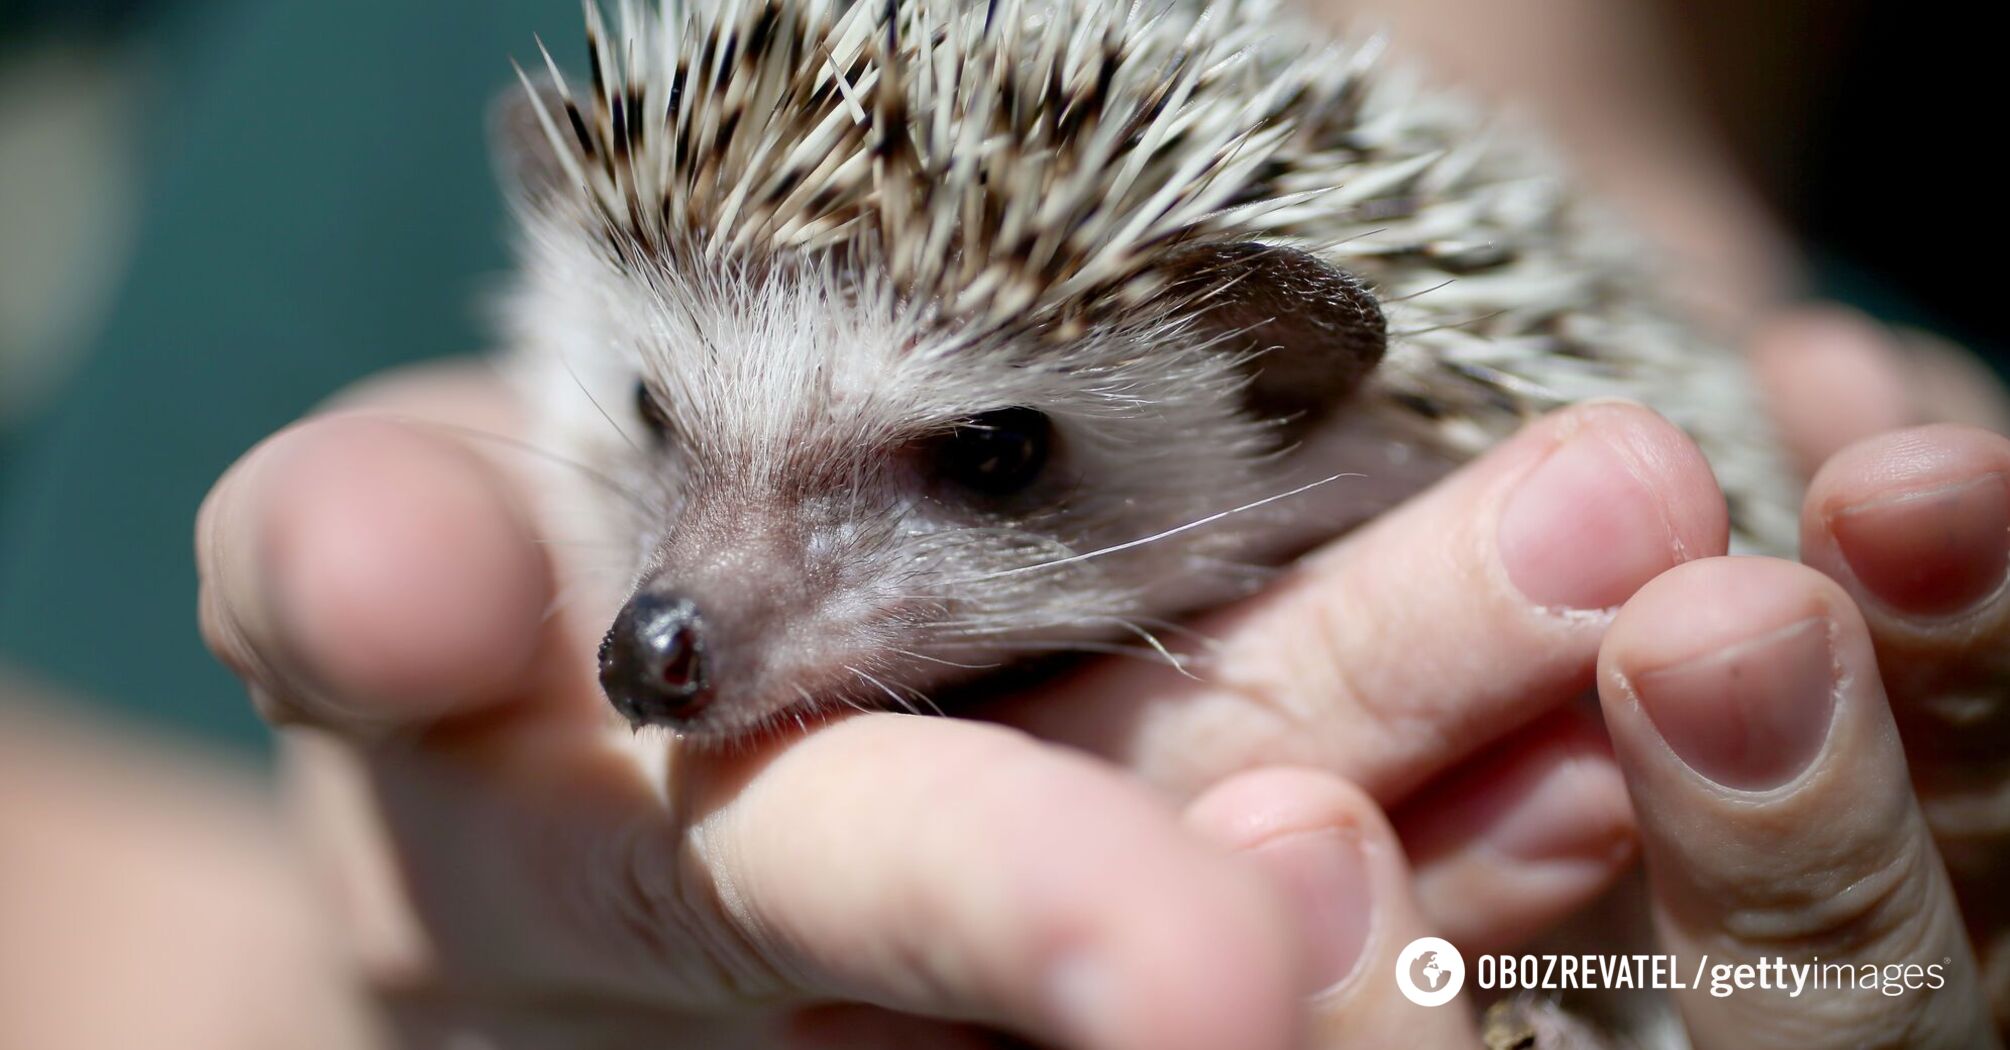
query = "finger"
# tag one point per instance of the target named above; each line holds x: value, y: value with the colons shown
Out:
x: 1951, y: 385
x: 1916, y: 526
x: 1744, y: 704
x: 368, y: 573
x: 932, y: 866
x: 1029, y: 885
x: 1328, y: 850
x: 1831, y: 376
x: 1438, y: 627
x: 1522, y: 837
x: 372, y: 571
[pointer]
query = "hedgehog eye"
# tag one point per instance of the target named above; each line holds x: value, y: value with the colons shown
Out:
x: 996, y: 453
x: 651, y: 412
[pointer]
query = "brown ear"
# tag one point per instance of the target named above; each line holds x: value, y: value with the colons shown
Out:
x: 527, y: 161
x: 1316, y: 331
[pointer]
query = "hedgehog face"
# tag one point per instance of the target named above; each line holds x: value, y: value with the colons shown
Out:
x: 813, y: 492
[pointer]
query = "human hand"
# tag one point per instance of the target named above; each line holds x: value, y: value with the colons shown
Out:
x: 1749, y: 714
x: 1760, y: 739
x: 457, y: 676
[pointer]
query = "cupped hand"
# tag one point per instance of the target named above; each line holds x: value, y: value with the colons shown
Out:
x: 1441, y: 644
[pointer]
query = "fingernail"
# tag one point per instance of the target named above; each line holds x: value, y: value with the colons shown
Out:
x: 1325, y: 879
x: 1583, y: 532
x: 1933, y: 552
x: 1750, y: 716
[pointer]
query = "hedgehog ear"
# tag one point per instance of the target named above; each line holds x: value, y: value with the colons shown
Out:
x: 1312, y: 330
x: 527, y: 162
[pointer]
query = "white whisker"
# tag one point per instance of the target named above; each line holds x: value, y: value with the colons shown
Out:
x: 903, y: 704
x: 938, y: 660
x: 598, y: 407
x: 1177, y: 663
x: 1157, y: 536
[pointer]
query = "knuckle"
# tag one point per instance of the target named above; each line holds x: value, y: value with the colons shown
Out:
x: 1304, y: 668
x: 1883, y: 904
x: 1331, y: 660
x: 1304, y: 681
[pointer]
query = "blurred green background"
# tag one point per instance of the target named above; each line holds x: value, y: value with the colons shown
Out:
x: 213, y: 214
x: 305, y: 199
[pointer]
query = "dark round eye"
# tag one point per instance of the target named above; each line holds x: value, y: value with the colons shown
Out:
x: 997, y: 453
x: 651, y: 412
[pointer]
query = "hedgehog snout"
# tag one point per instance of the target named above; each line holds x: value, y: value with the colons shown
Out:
x: 653, y: 662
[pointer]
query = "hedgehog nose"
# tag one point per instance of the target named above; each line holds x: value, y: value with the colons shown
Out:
x: 652, y: 663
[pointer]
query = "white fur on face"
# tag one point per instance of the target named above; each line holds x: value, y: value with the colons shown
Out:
x: 789, y: 500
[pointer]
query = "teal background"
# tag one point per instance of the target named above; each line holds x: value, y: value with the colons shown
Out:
x: 319, y: 206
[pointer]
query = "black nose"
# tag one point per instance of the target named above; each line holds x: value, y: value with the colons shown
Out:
x: 652, y: 663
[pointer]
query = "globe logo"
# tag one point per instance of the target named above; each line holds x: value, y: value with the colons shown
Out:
x: 1429, y: 971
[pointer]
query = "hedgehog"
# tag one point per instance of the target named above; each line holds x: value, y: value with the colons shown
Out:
x: 896, y: 343
x: 882, y: 349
